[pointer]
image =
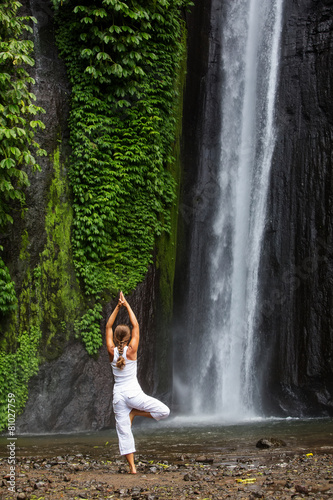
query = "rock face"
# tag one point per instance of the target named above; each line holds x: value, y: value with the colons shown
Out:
x: 52, y: 93
x: 71, y: 393
x: 74, y: 392
x: 200, y: 159
x: 296, y: 355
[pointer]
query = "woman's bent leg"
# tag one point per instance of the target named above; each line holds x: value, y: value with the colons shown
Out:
x: 149, y: 405
x: 139, y: 413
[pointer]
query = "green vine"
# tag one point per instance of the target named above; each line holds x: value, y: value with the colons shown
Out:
x: 49, y: 300
x: 8, y: 299
x: 17, y: 125
x: 122, y: 62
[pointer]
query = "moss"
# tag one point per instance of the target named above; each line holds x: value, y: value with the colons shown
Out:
x: 167, y: 244
x: 59, y: 297
x: 50, y: 297
x: 24, y: 254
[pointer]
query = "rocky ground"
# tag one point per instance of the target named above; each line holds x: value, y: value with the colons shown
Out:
x: 275, y: 473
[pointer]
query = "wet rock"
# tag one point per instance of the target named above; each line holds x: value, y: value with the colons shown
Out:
x: 270, y: 443
x: 204, y: 459
x: 193, y: 477
x: 122, y: 492
x: 28, y: 489
x: 301, y: 489
x: 172, y: 468
x: 100, y: 487
x: 39, y: 485
x: 297, y: 245
x: 136, y: 493
x: 21, y: 496
x: 256, y: 494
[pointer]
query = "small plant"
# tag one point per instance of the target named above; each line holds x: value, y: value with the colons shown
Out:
x: 8, y: 300
x: 16, y: 369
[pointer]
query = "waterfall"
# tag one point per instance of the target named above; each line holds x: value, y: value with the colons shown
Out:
x: 219, y: 376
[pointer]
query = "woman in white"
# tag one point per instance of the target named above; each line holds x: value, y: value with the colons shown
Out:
x: 128, y: 398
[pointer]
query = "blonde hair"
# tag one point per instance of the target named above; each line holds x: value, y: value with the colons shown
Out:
x: 122, y: 335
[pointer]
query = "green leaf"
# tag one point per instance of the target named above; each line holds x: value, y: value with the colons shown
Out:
x: 87, y: 20
x: 7, y: 163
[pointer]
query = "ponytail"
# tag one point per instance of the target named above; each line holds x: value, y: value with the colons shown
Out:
x: 122, y: 335
x: 121, y: 360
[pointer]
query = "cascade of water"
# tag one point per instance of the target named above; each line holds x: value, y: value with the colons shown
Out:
x: 224, y: 360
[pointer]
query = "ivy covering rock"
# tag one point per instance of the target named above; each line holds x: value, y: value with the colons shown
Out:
x: 17, y: 125
x: 122, y: 61
x: 18, y: 151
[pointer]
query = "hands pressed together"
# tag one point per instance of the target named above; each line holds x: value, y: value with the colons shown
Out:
x: 122, y: 301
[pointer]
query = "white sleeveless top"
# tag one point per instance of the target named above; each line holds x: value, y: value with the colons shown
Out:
x: 125, y: 380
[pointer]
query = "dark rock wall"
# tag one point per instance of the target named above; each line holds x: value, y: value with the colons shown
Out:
x: 199, y: 186
x: 71, y: 393
x: 74, y: 392
x: 296, y: 355
x: 52, y: 93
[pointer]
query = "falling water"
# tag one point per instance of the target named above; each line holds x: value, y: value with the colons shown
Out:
x: 220, y: 364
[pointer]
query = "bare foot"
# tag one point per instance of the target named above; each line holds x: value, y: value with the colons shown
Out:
x: 130, y: 460
x: 138, y: 413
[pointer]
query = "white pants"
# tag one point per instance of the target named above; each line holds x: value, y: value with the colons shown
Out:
x: 122, y: 407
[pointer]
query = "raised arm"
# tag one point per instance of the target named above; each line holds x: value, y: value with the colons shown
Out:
x: 134, y: 343
x: 109, y: 332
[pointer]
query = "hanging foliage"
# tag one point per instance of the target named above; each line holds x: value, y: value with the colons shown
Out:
x: 18, y: 124
x: 122, y: 61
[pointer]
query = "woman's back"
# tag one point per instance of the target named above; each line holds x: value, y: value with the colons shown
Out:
x: 126, y: 377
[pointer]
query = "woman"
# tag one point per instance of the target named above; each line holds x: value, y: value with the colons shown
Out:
x: 129, y: 400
